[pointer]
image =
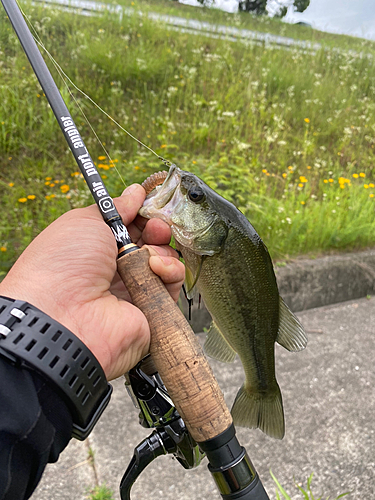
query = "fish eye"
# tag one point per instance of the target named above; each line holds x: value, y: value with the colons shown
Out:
x: 196, y: 194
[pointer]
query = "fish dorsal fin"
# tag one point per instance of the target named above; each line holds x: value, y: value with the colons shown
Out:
x: 192, y: 275
x: 291, y: 333
x: 217, y: 347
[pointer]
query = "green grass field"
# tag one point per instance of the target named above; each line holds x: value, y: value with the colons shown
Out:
x: 287, y: 135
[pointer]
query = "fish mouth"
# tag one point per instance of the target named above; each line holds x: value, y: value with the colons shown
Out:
x: 163, y: 199
x: 168, y: 203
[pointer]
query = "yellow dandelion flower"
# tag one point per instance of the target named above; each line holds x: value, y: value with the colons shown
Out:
x: 284, y: 175
x: 362, y: 174
x: 307, y: 120
x: 101, y: 157
x: 264, y: 170
x: 366, y: 186
x: 47, y: 183
x: 64, y: 188
x: 303, y: 179
x: 290, y: 168
x: 75, y: 174
x: 331, y: 180
x: 22, y: 200
x: 300, y: 185
x: 308, y: 167
x: 31, y: 197
x: 355, y: 176
x: 163, y: 146
x: 48, y: 178
x: 325, y: 181
x: 3, y: 249
x: 303, y: 203
x: 371, y: 185
x: 343, y: 181
x: 194, y: 162
x: 11, y: 184
x: 136, y: 167
x: 52, y: 184
x: 103, y: 177
x: 371, y: 195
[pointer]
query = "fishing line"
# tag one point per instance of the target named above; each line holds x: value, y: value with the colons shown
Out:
x: 61, y: 73
x: 65, y: 77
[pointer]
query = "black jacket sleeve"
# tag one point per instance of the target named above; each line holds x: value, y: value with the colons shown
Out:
x: 35, y: 426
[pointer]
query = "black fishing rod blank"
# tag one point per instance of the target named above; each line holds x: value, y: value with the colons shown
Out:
x: 68, y: 127
x: 176, y: 353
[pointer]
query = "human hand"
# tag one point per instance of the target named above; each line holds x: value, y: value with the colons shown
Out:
x: 69, y: 272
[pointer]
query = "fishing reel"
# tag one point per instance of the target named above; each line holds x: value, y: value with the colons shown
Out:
x: 157, y: 412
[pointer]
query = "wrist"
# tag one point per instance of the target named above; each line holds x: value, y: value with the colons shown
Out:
x: 31, y: 339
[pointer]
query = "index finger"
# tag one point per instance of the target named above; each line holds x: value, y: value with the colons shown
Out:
x: 130, y: 202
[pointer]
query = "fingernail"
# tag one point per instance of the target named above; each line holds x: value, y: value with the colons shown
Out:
x: 130, y: 189
x: 160, y: 250
x: 166, y: 260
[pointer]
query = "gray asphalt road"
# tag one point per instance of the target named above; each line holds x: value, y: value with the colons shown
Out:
x: 328, y: 393
x: 193, y: 26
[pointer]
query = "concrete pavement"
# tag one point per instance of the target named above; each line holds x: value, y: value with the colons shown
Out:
x: 328, y: 393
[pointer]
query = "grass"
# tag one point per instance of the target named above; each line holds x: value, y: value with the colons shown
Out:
x: 286, y: 135
x: 103, y: 493
x: 306, y: 494
x: 248, y: 21
x: 100, y: 492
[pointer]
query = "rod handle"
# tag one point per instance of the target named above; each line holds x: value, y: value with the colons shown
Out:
x: 175, y: 350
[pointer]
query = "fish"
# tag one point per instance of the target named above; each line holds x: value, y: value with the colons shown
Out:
x: 227, y: 262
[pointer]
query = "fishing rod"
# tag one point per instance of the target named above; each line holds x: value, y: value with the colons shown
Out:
x: 176, y: 391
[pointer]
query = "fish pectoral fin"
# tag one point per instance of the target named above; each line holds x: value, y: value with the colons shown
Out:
x: 217, y: 347
x: 191, y: 276
x: 291, y: 333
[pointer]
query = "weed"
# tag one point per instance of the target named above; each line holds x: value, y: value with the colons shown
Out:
x: 307, y: 494
x: 286, y: 135
x: 100, y: 492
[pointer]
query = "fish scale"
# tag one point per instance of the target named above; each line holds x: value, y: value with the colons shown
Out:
x: 227, y: 262
x: 247, y: 304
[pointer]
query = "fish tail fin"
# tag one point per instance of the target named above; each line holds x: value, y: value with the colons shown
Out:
x: 264, y: 410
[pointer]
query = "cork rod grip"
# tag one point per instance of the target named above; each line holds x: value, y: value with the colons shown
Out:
x: 176, y: 352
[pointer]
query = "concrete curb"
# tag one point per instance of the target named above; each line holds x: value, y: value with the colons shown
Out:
x: 306, y: 284
x: 310, y: 283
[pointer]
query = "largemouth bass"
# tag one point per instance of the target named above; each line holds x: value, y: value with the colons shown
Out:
x: 227, y: 262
